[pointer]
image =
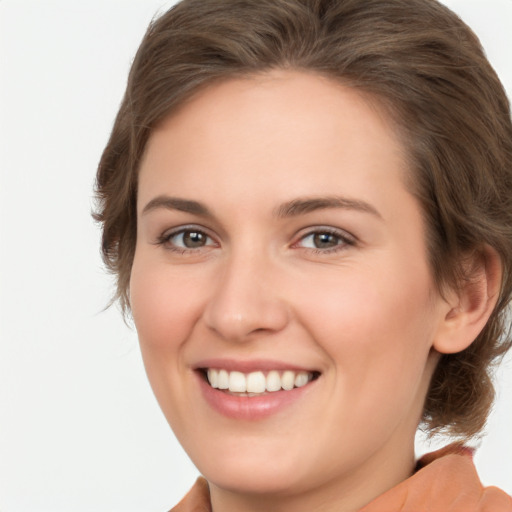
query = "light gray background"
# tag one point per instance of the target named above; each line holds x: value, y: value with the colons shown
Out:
x: 79, y: 427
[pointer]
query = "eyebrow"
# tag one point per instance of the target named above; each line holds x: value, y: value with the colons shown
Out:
x: 302, y: 206
x: 296, y: 207
x: 176, y: 203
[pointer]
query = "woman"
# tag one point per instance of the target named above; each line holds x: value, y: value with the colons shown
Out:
x: 307, y: 204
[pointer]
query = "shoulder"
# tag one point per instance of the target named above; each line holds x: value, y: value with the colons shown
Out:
x: 445, y: 481
x: 196, y: 500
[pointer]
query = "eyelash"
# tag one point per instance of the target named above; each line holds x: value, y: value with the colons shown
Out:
x: 344, y: 240
x: 165, y: 240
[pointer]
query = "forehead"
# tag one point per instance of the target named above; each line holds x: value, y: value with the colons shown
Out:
x: 283, y: 125
x: 281, y: 98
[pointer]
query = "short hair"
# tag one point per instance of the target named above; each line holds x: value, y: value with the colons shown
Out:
x: 420, y: 62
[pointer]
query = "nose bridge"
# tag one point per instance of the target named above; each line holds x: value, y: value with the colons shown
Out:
x: 245, y: 298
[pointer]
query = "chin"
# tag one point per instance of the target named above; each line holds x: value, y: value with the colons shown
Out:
x: 259, y: 472
x: 251, y: 480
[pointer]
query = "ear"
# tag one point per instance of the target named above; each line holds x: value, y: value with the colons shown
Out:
x: 466, y: 311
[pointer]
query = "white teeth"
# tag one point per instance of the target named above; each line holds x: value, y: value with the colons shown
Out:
x: 223, y: 381
x: 213, y: 378
x: 257, y: 382
x: 273, y: 381
x: 237, y: 382
x: 288, y: 380
x: 301, y: 379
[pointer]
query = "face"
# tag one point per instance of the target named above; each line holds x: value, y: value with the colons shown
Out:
x: 279, y: 254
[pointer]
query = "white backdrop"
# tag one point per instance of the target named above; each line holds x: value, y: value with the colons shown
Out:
x: 79, y: 427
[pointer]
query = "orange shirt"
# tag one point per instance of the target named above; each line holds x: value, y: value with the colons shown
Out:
x: 446, y: 481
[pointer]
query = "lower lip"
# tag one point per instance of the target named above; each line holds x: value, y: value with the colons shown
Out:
x: 251, y: 407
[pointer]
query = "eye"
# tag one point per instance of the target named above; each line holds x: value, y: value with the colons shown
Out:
x: 326, y: 240
x: 186, y: 239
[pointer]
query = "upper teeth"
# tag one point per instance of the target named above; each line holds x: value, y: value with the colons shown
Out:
x: 257, y: 382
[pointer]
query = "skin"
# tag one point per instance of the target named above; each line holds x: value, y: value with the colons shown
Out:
x: 364, y: 313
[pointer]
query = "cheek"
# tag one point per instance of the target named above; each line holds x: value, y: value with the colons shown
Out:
x: 164, y: 307
x: 376, y: 329
x: 165, y: 311
x: 369, y: 306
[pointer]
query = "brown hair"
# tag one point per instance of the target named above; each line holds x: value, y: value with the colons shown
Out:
x: 421, y: 62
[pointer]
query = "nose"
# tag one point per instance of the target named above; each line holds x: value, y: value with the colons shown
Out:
x: 246, y: 300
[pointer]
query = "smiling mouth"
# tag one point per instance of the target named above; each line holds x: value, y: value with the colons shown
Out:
x: 257, y: 383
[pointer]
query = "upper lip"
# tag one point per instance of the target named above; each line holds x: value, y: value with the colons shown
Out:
x: 248, y: 366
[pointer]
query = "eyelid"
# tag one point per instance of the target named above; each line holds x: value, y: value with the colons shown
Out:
x: 165, y: 238
x: 347, y: 239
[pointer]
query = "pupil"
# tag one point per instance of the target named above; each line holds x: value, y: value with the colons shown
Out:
x: 325, y: 240
x: 193, y: 239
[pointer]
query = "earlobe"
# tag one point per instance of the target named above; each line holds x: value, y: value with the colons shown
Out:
x: 467, y: 310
